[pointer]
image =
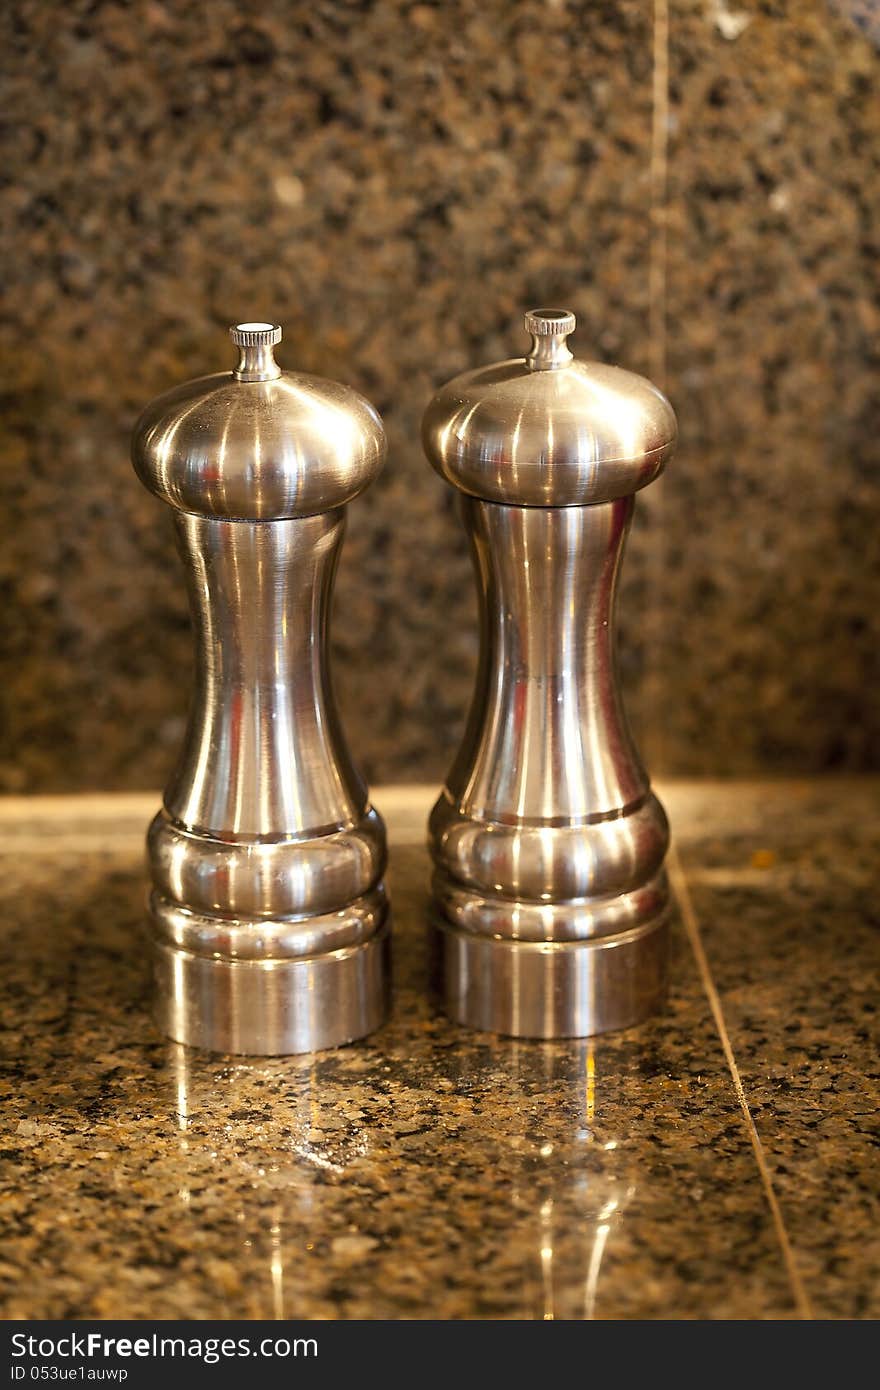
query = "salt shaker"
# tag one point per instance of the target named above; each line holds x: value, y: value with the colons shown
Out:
x: 268, y: 912
x: 549, y: 899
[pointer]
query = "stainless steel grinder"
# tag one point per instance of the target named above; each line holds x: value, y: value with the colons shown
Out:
x: 268, y: 912
x: 549, y: 899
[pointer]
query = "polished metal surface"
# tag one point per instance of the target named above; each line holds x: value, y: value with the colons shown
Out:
x: 549, y: 899
x: 288, y: 445
x: 269, y: 913
x: 546, y: 430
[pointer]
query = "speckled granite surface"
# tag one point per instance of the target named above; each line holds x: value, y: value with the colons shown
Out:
x: 792, y: 932
x: 395, y: 182
x: 432, y: 1172
x: 773, y: 327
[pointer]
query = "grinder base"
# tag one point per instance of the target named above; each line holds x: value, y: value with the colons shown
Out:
x: 549, y: 989
x: 273, y: 1007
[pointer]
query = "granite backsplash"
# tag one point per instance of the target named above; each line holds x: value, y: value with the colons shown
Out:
x: 395, y: 182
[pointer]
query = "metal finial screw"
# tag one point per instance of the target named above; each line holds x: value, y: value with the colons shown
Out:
x: 257, y: 360
x: 549, y: 329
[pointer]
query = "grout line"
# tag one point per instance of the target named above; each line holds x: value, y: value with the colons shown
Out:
x: 87, y: 805
x: 659, y: 186
x: 692, y: 927
x: 658, y: 175
x: 116, y: 822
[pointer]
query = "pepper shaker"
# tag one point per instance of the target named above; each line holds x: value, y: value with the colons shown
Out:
x: 268, y: 913
x: 549, y: 898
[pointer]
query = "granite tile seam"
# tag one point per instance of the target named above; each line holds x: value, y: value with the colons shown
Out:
x: 728, y: 801
x: 659, y: 171
x: 115, y: 820
x: 777, y: 877
x: 652, y: 736
x: 691, y: 925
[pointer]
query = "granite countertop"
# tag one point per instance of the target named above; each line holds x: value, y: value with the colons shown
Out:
x: 717, y: 1162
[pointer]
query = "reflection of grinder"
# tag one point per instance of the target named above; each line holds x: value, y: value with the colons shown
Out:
x: 549, y: 897
x: 268, y: 910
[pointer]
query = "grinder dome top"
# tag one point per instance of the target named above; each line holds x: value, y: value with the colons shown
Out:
x: 546, y: 430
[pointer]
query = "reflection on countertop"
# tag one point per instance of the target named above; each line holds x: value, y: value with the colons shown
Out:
x: 714, y: 1163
